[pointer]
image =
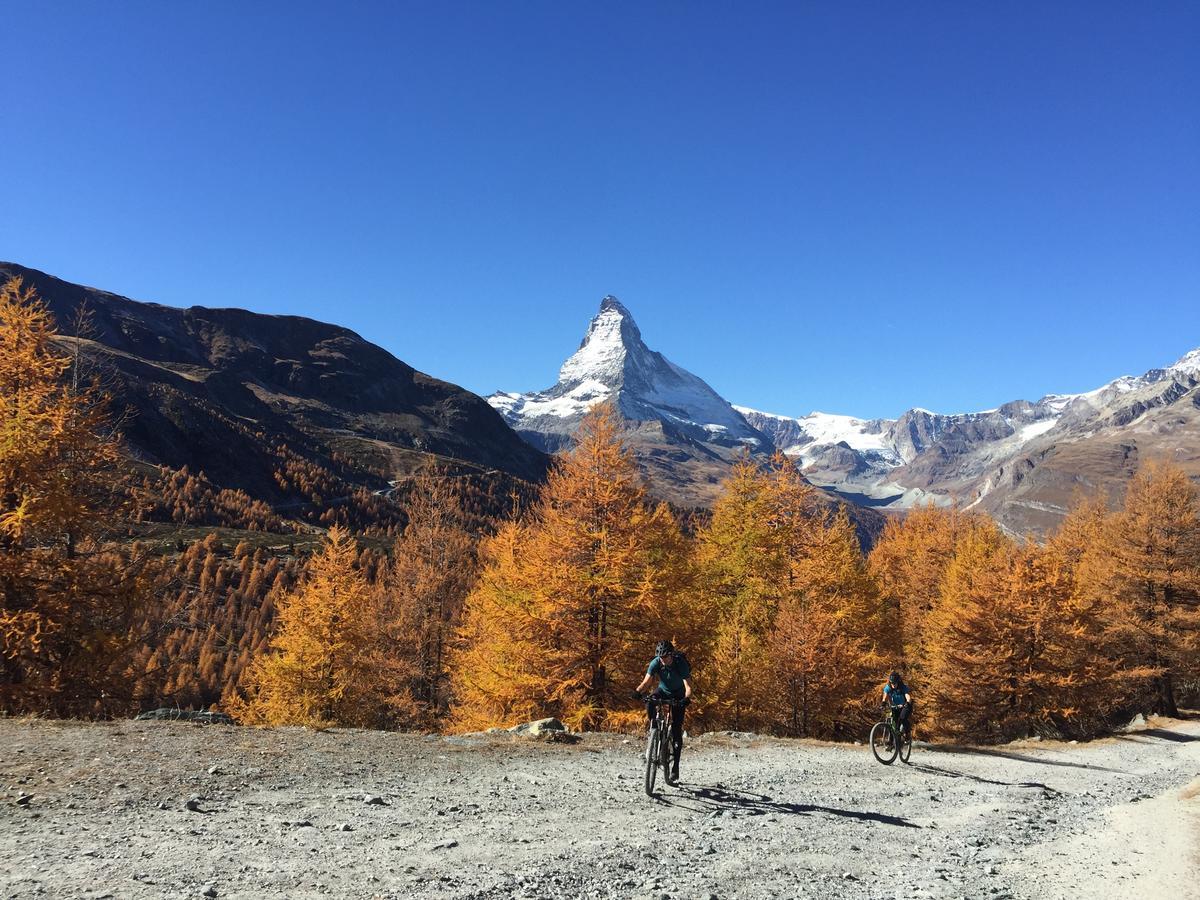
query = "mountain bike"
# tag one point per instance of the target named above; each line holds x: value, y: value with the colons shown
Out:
x: 888, y: 739
x: 658, y: 740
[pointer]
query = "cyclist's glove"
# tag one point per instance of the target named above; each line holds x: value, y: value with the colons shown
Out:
x: 636, y: 696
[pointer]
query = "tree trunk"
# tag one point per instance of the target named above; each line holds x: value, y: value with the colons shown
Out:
x: 1165, y: 704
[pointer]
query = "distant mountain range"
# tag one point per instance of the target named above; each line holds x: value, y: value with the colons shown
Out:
x: 1023, y: 462
x: 223, y: 390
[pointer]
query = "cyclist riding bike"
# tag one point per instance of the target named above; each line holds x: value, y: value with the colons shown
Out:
x: 674, y: 674
x: 898, y: 699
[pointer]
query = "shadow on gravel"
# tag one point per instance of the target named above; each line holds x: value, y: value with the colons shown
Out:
x: 1160, y: 733
x: 1019, y: 757
x: 952, y: 773
x: 719, y: 798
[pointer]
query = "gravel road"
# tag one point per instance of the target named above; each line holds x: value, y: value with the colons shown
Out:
x: 169, y: 809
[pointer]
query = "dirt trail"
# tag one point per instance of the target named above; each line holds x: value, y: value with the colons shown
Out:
x: 94, y: 810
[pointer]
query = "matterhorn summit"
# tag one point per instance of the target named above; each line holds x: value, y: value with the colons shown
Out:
x: 660, y: 402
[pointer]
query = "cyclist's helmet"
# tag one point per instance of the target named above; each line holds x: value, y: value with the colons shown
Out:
x: 663, y: 648
x: 894, y: 678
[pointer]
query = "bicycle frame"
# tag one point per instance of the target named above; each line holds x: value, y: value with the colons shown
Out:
x: 658, y: 737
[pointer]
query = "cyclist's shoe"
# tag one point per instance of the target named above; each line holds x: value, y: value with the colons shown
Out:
x: 674, y: 779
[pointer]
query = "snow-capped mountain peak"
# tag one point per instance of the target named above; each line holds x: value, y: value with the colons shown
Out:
x: 1188, y: 363
x: 613, y: 362
x: 611, y: 337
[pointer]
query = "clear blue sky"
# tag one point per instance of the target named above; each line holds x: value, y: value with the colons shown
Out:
x: 851, y: 207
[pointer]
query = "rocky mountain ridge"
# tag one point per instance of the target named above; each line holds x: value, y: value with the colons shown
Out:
x: 1023, y: 462
x: 222, y: 390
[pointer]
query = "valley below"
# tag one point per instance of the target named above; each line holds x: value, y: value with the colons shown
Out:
x: 167, y: 809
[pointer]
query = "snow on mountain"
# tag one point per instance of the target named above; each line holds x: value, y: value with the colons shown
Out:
x: 986, y: 457
x: 819, y: 429
x: 1189, y: 363
x: 1187, y: 366
x: 614, y: 363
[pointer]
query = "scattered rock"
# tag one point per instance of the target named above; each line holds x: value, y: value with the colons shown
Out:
x: 375, y: 801
x: 202, y: 716
x: 24, y: 799
x: 1137, y: 723
x: 193, y: 805
x: 343, y: 826
x: 210, y: 890
x: 445, y: 845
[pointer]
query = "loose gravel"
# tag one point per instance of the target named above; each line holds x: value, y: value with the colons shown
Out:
x: 176, y: 809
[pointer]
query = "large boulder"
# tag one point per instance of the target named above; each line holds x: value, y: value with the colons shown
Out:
x: 538, y: 728
x: 549, y: 730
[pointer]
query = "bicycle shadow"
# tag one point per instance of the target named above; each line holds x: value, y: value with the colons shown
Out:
x: 713, y: 798
x: 954, y: 773
x: 1017, y: 757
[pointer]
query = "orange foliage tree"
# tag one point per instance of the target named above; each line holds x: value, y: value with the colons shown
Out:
x: 325, y: 665
x: 824, y: 637
x: 432, y: 570
x: 66, y: 600
x: 909, y: 563
x: 784, y: 581
x: 741, y: 568
x: 1013, y: 647
x: 1144, y: 567
x: 570, y: 601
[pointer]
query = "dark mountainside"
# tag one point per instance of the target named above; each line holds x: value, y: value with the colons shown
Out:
x: 222, y: 390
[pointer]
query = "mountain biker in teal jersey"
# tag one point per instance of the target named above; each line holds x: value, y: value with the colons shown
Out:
x: 674, y: 682
x: 898, y: 699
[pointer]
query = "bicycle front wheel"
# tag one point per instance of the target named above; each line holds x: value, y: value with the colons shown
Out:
x: 652, y: 752
x: 665, y: 755
x: 905, y: 746
x: 882, y: 744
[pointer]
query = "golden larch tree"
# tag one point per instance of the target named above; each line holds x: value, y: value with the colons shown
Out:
x: 822, y: 642
x: 323, y: 667
x: 433, y: 568
x: 1012, y: 645
x: 570, y: 602
x: 909, y: 563
x: 67, y: 600
x: 1145, y: 568
x: 742, y: 567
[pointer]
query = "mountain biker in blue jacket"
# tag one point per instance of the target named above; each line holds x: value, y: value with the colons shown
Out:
x: 674, y: 682
x: 898, y: 699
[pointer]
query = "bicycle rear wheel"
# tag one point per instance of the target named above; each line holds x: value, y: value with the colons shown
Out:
x: 652, y: 753
x: 882, y: 744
